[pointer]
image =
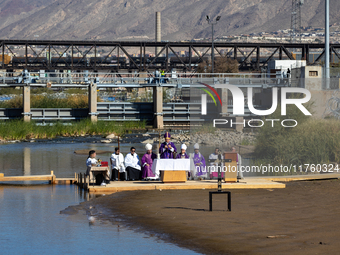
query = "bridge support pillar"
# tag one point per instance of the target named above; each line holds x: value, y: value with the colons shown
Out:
x: 93, y: 102
x: 26, y: 94
x: 223, y: 109
x: 158, y: 107
x: 240, y: 124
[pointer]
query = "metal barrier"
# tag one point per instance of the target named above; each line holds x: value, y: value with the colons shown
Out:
x: 58, y: 114
x: 125, y: 111
x: 108, y: 111
x: 107, y: 80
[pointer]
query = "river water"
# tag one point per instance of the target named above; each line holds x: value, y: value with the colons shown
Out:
x: 30, y: 219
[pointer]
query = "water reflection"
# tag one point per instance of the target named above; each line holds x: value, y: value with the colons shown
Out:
x: 31, y: 223
x: 42, y: 158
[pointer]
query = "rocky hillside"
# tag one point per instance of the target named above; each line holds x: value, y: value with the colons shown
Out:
x: 134, y: 19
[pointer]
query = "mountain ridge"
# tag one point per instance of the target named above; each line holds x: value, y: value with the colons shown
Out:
x: 128, y: 19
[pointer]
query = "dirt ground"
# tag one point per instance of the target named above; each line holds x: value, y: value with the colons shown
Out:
x: 304, y: 218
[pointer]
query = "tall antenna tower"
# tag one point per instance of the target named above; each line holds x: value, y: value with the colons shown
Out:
x: 295, y: 29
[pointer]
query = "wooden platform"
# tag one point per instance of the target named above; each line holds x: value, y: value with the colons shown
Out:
x: 50, y: 178
x: 64, y: 181
x: 302, y: 177
x: 207, y: 184
x: 270, y: 182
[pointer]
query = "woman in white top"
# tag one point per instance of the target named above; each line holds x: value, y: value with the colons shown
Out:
x: 117, y: 164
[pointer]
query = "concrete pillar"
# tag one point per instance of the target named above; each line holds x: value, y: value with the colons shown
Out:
x: 223, y: 109
x: 240, y: 124
x: 26, y: 103
x: 158, y: 31
x: 158, y: 107
x: 27, y: 161
x: 93, y: 102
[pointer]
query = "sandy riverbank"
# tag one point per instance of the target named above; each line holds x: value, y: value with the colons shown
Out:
x: 301, y: 219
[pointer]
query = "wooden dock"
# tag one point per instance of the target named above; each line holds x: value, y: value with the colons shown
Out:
x: 51, y: 178
x: 261, y: 182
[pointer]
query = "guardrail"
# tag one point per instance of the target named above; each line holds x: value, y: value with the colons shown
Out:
x: 136, y: 79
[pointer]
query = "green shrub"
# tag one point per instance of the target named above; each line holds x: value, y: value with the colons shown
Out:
x: 18, y: 129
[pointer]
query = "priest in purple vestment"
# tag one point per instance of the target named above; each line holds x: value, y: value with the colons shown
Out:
x: 199, y: 161
x: 167, y: 148
x: 147, y: 161
x: 183, y: 153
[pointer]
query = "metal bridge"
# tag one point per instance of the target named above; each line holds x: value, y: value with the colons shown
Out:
x: 180, y: 113
x: 133, y: 56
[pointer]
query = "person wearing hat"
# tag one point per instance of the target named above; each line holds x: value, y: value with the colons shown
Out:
x: 147, y: 161
x: 167, y: 148
x: 199, y: 161
x: 183, y: 153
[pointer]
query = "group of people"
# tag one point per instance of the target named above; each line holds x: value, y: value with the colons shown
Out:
x: 132, y: 168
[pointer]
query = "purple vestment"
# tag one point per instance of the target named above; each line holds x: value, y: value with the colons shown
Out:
x: 146, y: 170
x: 182, y: 156
x: 199, y: 159
x: 166, y: 152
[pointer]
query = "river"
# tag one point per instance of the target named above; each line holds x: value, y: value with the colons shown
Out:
x: 30, y: 218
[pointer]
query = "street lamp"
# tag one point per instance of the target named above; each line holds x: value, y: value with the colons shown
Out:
x: 327, y: 74
x: 212, y: 23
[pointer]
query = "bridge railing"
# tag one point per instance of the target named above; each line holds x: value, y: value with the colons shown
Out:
x: 138, y: 79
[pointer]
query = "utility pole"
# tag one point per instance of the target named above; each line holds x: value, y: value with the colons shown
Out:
x: 212, y: 23
x: 295, y: 29
x: 327, y: 73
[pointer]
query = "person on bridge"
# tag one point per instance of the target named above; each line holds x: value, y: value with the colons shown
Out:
x: 132, y: 164
x: 167, y: 149
x: 147, y: 161
x: 162, y: 76
x: 117, y: 165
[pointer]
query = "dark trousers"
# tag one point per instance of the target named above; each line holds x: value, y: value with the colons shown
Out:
x: 114, y: 175
x: 133, y: 173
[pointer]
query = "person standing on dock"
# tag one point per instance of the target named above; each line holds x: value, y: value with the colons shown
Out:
x: 117, y: 165
x: 91, y: 161
x: 183, y: 153
x: 132, y: 165
x: 199, y: 161
x: 167, y: 149
x: 239, y: 163
x: 147, y: 161
x: 215, y: 160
